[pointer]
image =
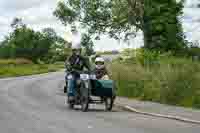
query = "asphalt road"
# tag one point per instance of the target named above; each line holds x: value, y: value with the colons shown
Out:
x: 35, y: 104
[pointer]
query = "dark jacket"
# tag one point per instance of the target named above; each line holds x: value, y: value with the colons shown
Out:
x: 100, y: 73
x: 75, y: 62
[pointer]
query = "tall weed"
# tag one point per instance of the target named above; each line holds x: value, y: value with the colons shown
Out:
x: 160, y: 78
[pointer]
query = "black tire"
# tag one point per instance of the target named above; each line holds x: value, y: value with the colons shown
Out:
x: 84, y: 104
x: 109, y: 104
x: 84, y: 98
x: 65, y: 89
x: 71, y: 105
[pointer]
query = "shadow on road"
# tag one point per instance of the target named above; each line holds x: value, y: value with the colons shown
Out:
x: 97, y: 108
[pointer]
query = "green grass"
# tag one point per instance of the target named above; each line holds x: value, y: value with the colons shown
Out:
x: 13, y: 68
x: 174, y: 81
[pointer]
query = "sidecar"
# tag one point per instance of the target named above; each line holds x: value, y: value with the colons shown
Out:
x: 105, y: 90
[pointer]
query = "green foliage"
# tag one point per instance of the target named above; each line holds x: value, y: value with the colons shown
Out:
x: 148, y: 58
x: 24, y: 42
x: 194, y: 50
x: 159, y: 20
x: 173, y: 81
x: 96, y: 16
x: 163, y: 28
x: 17, y: 23
x: 87, y: 43
x: 108, y: 52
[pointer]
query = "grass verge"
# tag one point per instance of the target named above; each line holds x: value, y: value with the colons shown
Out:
x: 173, y: 81
x: 14, y: 68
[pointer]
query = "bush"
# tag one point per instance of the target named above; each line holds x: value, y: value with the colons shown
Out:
x: 148, y: 58
x: 19, y: 61
x: 173, y: 81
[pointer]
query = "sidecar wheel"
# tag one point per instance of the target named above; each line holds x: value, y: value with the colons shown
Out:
x: 109, y: 104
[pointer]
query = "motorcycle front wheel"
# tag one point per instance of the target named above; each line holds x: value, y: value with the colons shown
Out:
x: 84, y: 104
x: 84, y: 98
x: 65, y: 89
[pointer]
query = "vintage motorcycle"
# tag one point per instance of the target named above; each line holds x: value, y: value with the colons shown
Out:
x: 82, y: 87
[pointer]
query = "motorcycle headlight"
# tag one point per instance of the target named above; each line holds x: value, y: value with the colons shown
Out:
x: 69, y: 76
x: 84, y: 76
x: 93, y: 76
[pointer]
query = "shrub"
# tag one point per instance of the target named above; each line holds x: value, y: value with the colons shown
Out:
x: 19, y: 61
x: 171, y: 80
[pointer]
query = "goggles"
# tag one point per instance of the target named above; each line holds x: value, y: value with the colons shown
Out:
x: 99, y: 63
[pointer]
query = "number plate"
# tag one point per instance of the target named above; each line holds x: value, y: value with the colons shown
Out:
x: 93, y: 76
x: 84, y: 76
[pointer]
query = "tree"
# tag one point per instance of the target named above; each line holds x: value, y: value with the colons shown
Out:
x: 87, y: 43
x: 24, y: 42
x: 17, y: 23
x: 158, y: 19
x: 4, y: 49
x: 50, y: 33
x: 162, y: 26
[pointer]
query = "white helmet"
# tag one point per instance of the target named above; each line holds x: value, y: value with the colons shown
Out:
x: 100, y: 63
x: 76, y: 46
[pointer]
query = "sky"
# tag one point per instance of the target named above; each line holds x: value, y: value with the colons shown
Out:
x: 37, y: 14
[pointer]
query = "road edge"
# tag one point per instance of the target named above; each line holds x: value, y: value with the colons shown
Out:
x: 181, y: 119
x: 30, y: 76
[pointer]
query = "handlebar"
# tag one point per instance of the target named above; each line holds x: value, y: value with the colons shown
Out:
x: 78, y: 71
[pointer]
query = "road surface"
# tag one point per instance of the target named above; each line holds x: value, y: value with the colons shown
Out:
x: 111, y: 57
x: 35, y: 104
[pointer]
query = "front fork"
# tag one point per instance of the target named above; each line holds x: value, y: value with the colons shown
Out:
x: 86, y: 90
x: 71, y: 86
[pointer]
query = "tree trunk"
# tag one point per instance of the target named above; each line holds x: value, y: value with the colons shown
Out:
x: 145, y: 35
x: 147, y: 32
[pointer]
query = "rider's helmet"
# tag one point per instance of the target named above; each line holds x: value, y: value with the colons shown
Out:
x: 99, y: 63
x: 76, y: 48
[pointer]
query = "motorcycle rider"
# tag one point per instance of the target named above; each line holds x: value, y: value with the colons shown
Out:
x: 74, y: 65
x: 100, y: 69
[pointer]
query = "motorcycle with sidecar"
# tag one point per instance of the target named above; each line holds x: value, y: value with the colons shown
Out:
x: 83, y: 87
